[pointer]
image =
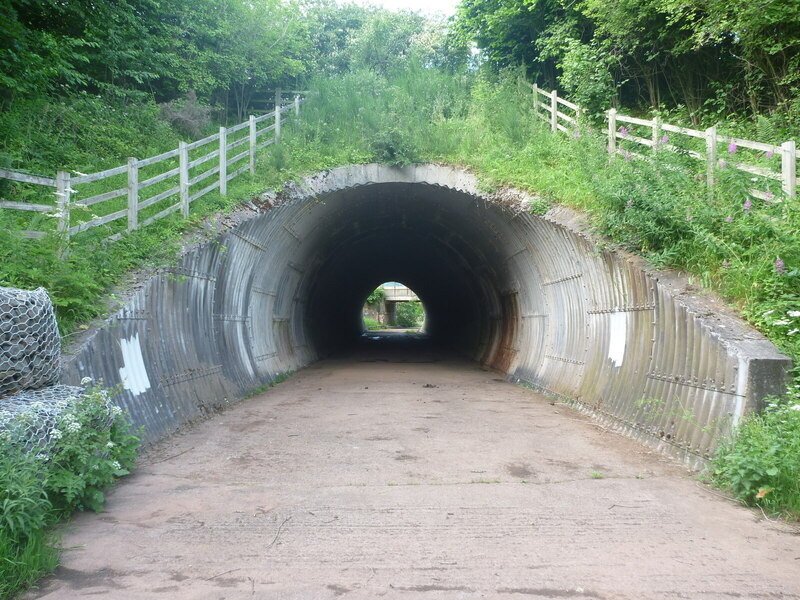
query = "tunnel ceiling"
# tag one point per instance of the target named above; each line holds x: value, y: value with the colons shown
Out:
x: 530, y: 296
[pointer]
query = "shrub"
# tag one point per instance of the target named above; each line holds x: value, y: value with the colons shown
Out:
x: 45, y: 478
x: 760, y: 464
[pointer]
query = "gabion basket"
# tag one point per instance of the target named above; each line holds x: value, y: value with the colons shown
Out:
x: 30, y: 346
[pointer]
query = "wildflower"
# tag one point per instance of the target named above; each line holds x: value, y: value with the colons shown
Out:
x: 688, y: 218
x: 116, y: 465
x: 627, y: 156
x: 748, y: 205
x: 629, y: 203
x: 110, y: 445
x: 781, y: 322
x: 623, y: 131
x: 769, y: 196
x: 577, y: 134
x: 729, y: 219
x: 769, y: 154
x: 665, y: 139
x: 86, y: 381
x: 795, y: 407
x: 56, y: 434
x: 768, y: 312
x: 116, y: 411
x: 794, y: 313
x: 725, y: 264
x: 780, y: 268
x: 722, y: 164
x: 732, y: 148
x: 793, y: 331
x: 74, y: 427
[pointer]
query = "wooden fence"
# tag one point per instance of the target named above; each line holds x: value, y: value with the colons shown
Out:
x: 565, y: 116
x: 149, y: 189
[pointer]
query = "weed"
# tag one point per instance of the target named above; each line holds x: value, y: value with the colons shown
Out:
x: 597, y: 475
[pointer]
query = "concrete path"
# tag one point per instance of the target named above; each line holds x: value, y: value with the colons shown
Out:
x: 413, y: 475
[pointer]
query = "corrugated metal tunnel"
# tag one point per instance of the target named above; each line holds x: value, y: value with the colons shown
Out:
x: 530, y: 296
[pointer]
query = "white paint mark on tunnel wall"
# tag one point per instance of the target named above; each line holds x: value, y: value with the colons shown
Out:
x: 134, y: 374
x: 618, y: 327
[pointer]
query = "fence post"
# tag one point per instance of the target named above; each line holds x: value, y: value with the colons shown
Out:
x: 183, y: 177
x: 656, y: 133
x: 223, y: 161
x: 554, y: 111
x: 612, y: 131
x: 789, y: 168
x: 297, y: 106
x: 278, y: 114
x: 252, y: 145
x: 711, y: 155
x: 536, y: 99
x: 63, y: 192
x: 133, y: 194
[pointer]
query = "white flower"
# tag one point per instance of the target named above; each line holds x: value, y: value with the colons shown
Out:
x: 781, y: 322
x: 56, y: 434
x: 769, y: 312
x: 110, y: 445
x: 74, y: 427
x: 793, y: 331
x: 116, y: 465
x: 116, y: 411
x: 795, y: 407
x: 86, y: 381
x: 794, y: 313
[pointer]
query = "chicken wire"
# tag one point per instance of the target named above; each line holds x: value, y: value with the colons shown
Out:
x: 30, y: 346
x: 29, y: 418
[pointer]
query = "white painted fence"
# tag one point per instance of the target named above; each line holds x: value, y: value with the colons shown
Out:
x: 553, y: 110
x: 233, y: 151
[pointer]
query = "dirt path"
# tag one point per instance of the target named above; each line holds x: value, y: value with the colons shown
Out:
x: 405, y: 476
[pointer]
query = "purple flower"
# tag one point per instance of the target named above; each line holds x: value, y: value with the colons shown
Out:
x: 623, y: 131
x: 729, y: 219
x: 732, y: 148
x: 769, y: 196
x: 665, y: 139
x: 722, y: 164
x: 688, y: 218
x: 769, y: 154
x: 629, y: 204
x: 577, y: 134
x: 627, y: 156
x: 725, y: 264
x: 780, y: 268
x: 748, y: 205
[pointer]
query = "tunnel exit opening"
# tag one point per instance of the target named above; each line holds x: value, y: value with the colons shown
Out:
x: 393, y: 305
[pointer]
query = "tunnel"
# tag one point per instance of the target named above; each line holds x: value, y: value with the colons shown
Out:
x: 281, y: 283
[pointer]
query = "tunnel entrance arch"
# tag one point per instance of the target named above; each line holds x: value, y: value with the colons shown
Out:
x: 530, y: 296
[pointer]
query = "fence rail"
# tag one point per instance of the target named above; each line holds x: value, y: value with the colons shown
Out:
x: 656, y: 137
x: 175, y: 171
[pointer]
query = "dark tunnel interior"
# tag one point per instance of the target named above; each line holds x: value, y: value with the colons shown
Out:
x: 434, y: 240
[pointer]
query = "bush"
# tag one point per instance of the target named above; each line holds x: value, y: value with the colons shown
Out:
x: 760, y: 464
x: 43, y: 480
x: 410, y: 314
